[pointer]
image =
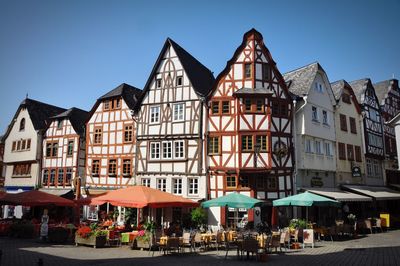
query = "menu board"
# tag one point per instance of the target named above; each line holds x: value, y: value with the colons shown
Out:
x: 308, y: 237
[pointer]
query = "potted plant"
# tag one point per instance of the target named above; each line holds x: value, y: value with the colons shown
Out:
x: 91, y: 236
x: 145, y: 238
x: 199, y: 217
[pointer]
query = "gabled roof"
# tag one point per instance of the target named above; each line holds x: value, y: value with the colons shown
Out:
x: 129, y: 93
x: 39, y: 113
x: 200, y: 76
x: 359, y: 87
x: 253, y: 91
x: 381, y: 90
x: 300, y: 80
x: 76, y: 116
x: 338, y: 88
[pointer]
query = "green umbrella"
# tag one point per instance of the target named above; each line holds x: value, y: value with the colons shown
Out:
x: 233, y: 200
x: 306, y: 199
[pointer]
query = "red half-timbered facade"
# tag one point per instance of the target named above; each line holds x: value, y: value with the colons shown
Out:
x: 249, y: 128
x: 110, y: 140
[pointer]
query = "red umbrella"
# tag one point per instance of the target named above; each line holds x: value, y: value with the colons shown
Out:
x: 274, y: 217
x: 88, y: 200
x: 35, y: 198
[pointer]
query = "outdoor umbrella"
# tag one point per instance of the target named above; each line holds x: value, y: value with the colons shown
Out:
x: 233, y: 200
x: 35, y: 198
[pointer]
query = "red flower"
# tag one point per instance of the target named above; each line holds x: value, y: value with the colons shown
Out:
x: 84, y: 231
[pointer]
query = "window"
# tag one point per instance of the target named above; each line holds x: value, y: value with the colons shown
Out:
x: 272, y: 183
x: 350, y: 152
x: 325, y: 117
x: 178, y: 111
x: 307, y: 147
x: 283, y: 109
x: 179, y: 149
x: 126, y: 167
x: 51, y: 149
x: 19, y: 145
x: 167, y: 149
x: 343, y: 122
x: 22, y: 124
x: 155, y: 150
x: 14, y: 146
x: 28, y: 144
x: 374, y: 115
x: 162, y: 184
x: 45, y: 177
x: 54, y: 150
x: 244, y: 181
x: 177, y: 182
x: 375, y: 140
x: 252, y: 105
x: 266, y: 70
x: 23, y: 144
x: 95, y: 167
x: 158, y: 83
x: 247, y: 70
x: 275, y: 109
x: 52, y: 176
x: 112, y: 167
x: 260, y: 105
x: 60, y: 177
x: 146, y: 182
x: 225, y: 107
x: 319, y: 87
x: 247, y: 143
x: 357, y: 152
x: 70, y: 148
x: 97, y: 139
x: 117, y: 103
x: 346, y: 98
x: 22, y: 169
x: 262, y: 142
x: 318, y: 147
x: 128, y: 133
x: 213, y: 145
x: 215, y: 107
x: 106, y: 105
x: 155, y: 114
x: 369, y: 167
x: 314, y: 113
x: 353, y: 128
x: 179, y: 81
x: 68, y: 176
x: 193, y: 186
x: 231, y: 181
x: 247, y: 105
x: 328, y: 151
x: 342, y: 151
x: 59, y: 124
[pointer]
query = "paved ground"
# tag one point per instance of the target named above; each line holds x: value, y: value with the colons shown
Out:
x: 375, y: 249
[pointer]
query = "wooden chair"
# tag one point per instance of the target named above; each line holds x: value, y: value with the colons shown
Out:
x: 198, y: 242
x: 276, y: 242
x: 250, y: 245
x: 188, y: 241
x: 285, y: 240
x: 229, y: 244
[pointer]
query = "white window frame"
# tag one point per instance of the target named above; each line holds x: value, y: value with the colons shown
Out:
x: 193, y: 186
x: 314, y: 115
x: 167, y: 149
x: 308, y: 146
x: 178, y: 112
x: 177, y: 186
x: 145, y: 182
x: 154, y: 150
x: 318, y: 148
x: 328, y: 151
x: 162, y: 184
x: 179, y: 149
x: 325, y: 117
x: 154, y: 114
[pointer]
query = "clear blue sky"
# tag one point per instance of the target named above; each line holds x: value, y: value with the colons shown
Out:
x: 68, y: 53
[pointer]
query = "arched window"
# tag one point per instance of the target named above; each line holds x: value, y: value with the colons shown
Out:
x: 22, y: 124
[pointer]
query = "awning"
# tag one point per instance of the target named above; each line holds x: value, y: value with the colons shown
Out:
x: 340, y: 195
x: 378, y: 193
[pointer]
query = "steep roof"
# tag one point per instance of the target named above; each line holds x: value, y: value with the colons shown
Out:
x: 300, y: 80
x: 200, y: 76
x: 382, y: 89
x: 359, y: 87
x: 39, y: 113
x: 76, y: 116
x: 337, y: 88
x: 129, y: 93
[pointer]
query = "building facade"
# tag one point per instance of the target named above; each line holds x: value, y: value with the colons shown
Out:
x: 249, y: 131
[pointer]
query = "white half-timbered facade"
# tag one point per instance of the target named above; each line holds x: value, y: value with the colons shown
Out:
x: 111, y: 139
x: 170, y: 118
x: 64, y: 150
x: 249, y: 131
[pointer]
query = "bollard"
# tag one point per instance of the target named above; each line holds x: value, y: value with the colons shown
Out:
x: 40, y: 262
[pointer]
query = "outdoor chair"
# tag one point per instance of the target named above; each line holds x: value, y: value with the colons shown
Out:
x: 378, y: 225
x: 173, y: 244
x: 368, y: 225
x: 188, y: 241
x: 249, y: 245
x: 229, y: 244
x: 267, y: 243
x: 276, y: 242
x: 217, y: 241
x: 198, y: 242
x: 285, y: 240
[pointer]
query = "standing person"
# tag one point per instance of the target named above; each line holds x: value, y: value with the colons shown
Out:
x: 44, y: 227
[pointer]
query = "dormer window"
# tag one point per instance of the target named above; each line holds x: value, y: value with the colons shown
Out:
x: 22, y: 124
x: 106, y: 105
x: 247, y: 70
x: 59, y: 124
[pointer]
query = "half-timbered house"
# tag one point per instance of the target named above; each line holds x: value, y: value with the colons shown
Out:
x: 64, y: 151
x: 170, y: 117
x: 249, y: 131
x: 373, y: 138
x: 23, y: 147
x: 110, y: 140
x: 388, y: 94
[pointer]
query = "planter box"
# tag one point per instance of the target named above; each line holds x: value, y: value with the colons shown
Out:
x: 143, y: 244
x: 96, y: 242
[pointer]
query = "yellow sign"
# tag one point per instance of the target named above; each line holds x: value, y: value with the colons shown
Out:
x: 385, y: 219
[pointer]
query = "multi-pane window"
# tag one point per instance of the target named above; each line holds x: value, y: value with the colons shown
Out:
x: 117, y: 103
x: 325, y: 117
x: 225, y: 107
x: 260, y: 105
x: 231, y: 181
x: 177, y: 184
x: 213, y: 145
x: 375, y: 140
x: 112, y: 167
x: 247, y: 105
x: 252, y: 105
x: 262, y: 142
x: 374, y: 115
x: 179, y: 149
x: 60, y: 177
x: 21, y: 145
x: 106, y: 105
x: 126, y: 167
x: 158, y: 83
x: 128, y: 133
x: 272, y: 183
x: 179, y: 81
x: 162, y: 184
x: 70, y: 148
x: 346, y: 98
x: 68, y: 176
x: 247, y: 70
x: 353, y: 128
x: 350, y: 152
x: 155, y: 114
x: 155, y: 150
x: 307, y: 146
x: 215, y: 107
x: 98, y: 135
x: 146, y: 182
x: 167, y: 149
x: 247, y: 143
x: 178, y: 112
x: 95, y: 167
x: 52, y: 176
x: 45, y: 176
x: 51, y: 149
x: 343, y: 122
x: 342, y: 151
x: 318, y: 87
x: 193, y: 186
x: 328, y: 151
x: 22, y: 169
x: 357, y: 152
x: 314, y: 111
x: 266, y: 72
x: 22, y: 124
x: 59, y: 124
x: 244, y: 181
x: 318, y: 147
x: 369, y: 167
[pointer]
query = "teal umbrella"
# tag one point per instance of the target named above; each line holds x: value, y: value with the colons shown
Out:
x: 233, y: 200
x: 306, y: 199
